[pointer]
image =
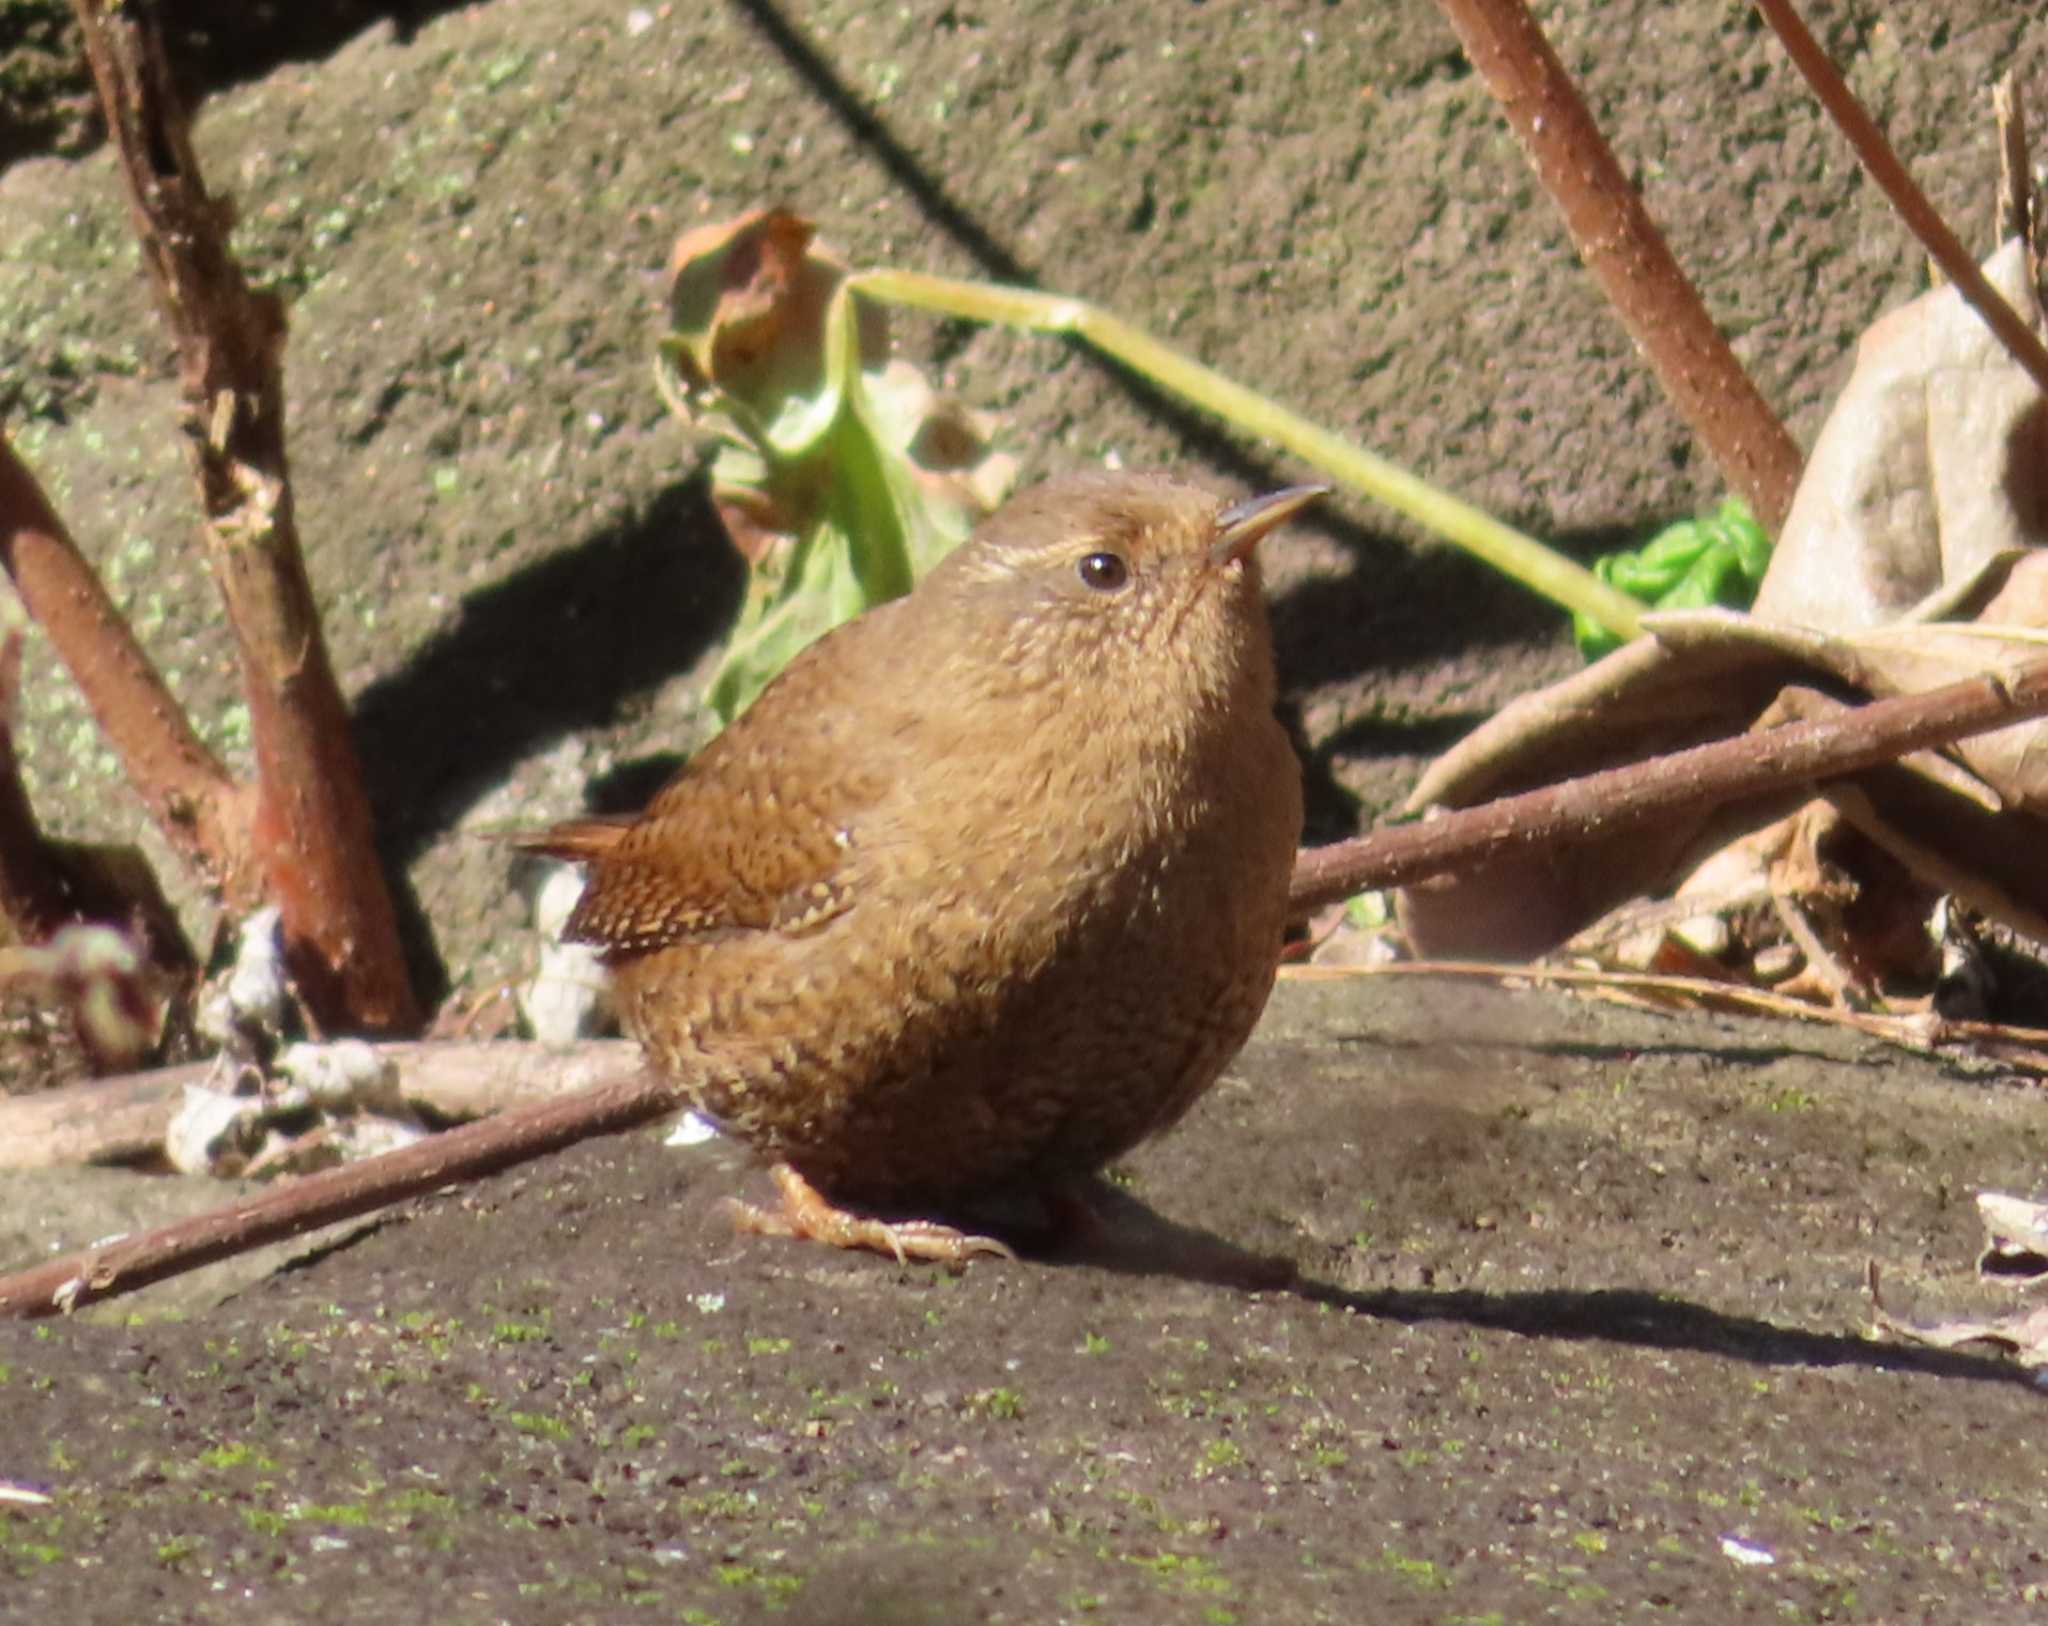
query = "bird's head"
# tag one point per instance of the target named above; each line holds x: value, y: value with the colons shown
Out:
x: 1139, y: 582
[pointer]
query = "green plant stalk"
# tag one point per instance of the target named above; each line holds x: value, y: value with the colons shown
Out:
x: 863, y: 502
x: 1520, y: 557
x: 860, y: 524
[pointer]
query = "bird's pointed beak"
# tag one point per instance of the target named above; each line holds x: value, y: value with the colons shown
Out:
x: 1239, y: 527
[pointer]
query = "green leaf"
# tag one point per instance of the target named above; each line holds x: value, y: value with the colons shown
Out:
x: 840, y: 475
x: 1719, y: 558
x: 784, y: 611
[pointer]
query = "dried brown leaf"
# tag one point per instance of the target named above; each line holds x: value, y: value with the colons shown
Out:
x: 1909, y: 561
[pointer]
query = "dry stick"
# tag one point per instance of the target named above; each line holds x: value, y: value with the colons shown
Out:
x: 2015, y: 216
x: 1922, y: 1032
x: 312, y: 825
x: 336, y: 1194
x: 125, y: 1118
x: 1622, y: 247
x: 1876, y: 155
x: 33, y: 894
x: 202, y: 812
x: 1732, y: 770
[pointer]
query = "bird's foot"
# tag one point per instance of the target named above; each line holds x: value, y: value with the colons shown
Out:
x: 807, y: 1213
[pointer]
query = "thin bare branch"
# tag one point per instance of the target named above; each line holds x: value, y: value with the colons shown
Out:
x: 312, y: 824
x: 1883, y: 165
x: 200, y: 810
x: 2015, y: 214
x: 1623, y: 249
x: 1779, y: 759
x: 124, y: 1119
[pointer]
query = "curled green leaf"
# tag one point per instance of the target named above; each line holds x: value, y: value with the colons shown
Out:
x: 842, y: 476
x: 1718, y: 558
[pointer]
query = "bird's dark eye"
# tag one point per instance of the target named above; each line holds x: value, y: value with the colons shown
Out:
x: 1105, y: 572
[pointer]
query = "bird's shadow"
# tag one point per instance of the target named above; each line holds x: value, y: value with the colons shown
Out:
x: 1134, y: 1239
x: 551, y: 650
x: 558, y: 648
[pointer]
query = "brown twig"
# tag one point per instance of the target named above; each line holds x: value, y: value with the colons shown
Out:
x: 1622, y: 247
x: 335, y: 1194
x: 1883, y: 165
x: 200, y: 810
x: 1778, y: 759
x: 33, y: 895
x: 2015, y: 214
x: 312, y: 828
x: 1919, y: 1031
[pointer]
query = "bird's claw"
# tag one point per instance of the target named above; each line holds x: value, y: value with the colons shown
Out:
x: 807, y: 1213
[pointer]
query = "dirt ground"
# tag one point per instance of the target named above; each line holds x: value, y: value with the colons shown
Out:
x: 1578, y: 1335
x: 1581, y: 1299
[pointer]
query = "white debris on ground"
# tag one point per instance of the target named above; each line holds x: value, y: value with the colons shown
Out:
x: 329, y: 1103
x: 253, y: 1001
x: 2015, y: 1255
x: 565, y: 1000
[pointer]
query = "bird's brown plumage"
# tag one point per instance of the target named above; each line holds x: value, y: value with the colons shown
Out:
x: 989, y: 884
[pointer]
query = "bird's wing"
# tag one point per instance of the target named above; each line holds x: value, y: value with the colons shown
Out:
x: 697, y: 869
x: 755, y: 834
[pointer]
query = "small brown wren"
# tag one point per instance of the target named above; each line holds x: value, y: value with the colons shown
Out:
x: 989, y: 884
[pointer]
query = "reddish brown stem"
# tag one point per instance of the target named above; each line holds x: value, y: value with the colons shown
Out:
x: 1778, y: 759
x: 33, y: 895
x: 200, y: 810
x: 1883, y: 165
x: 336, y: 1194
x: 2015, y: 217
x: 312, y: 828
x: 1622, y: 247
